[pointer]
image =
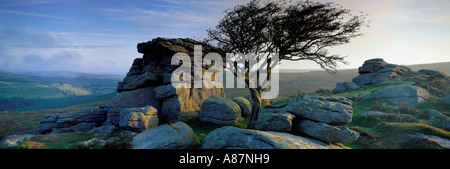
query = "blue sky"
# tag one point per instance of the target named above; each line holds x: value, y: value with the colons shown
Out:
x: 101, y: 36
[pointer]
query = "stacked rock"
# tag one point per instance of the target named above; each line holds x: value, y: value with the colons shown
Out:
x: 224, y: 111
x: 377, y: 70
x: 148, y: 83
x: 78, y: 121
x: 316, y: 116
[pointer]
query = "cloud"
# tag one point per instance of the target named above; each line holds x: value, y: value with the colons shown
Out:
x: 170, y: 18
x: 34, y: 50
x: 63, y: 60
x: 10, y: 37
x: 7, y: 11
x: 424, y: 12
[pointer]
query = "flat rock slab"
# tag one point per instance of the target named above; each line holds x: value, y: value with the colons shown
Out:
x: 169, y: 136
x: 413, y: 95
x: 327, y: 133
x: 329, y: 110
x: 235, y: 138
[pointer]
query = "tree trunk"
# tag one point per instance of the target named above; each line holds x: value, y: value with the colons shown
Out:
x: 256, y: 98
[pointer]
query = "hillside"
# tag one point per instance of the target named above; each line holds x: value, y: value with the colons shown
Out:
x: 38, y: 88
x: 26, y: 120
x: 293, y: 82
x: 443, y: 67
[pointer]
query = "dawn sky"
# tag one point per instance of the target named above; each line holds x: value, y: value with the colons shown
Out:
x: 101, y: 36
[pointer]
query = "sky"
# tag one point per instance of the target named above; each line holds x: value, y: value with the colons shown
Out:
x: 101, y: 36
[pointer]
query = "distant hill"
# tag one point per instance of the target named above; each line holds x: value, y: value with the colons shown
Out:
x: 18, y: 90
x: 71, y: 75
x: 443, y: 67
x: 295, y: 81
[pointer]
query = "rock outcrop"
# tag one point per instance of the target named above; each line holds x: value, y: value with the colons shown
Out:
x: 375, y: 71
x: 316, y: 116
x: 235, y: 138
x: 139, y: 119
x: 78, y: 121
x: 127, y: 99
x: 344, y: 86
x: 245, y: 105
x: 413, y: 95
x: 274, y: 120
x: 169, y: 136
x: 429, y: 72
x: 276, y: 117
x: 219, y: 110
x: 329, y: 110
x: 148, y: 82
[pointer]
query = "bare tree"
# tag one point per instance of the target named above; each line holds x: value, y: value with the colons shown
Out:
x: 296, y: 31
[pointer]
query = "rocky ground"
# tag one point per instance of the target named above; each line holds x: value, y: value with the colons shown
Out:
x: 386, y: 106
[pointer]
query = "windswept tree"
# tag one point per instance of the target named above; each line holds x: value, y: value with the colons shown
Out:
x: 295, y: 30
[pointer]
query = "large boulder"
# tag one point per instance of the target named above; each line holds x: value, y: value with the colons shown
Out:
x: 326, y: 133
x: 375, y: 71
x: 235, y: 138
x: 329, y: 110
x: 344, y: 86
x: 245, y: 105
x: 169, y: 136
x: 274, y: 119
x: 219, y: 110
x: 81, y: 121
x: 139, y: 119
x: 413, y: 95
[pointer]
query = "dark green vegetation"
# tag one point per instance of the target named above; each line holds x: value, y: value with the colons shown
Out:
x: 42, y: 88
